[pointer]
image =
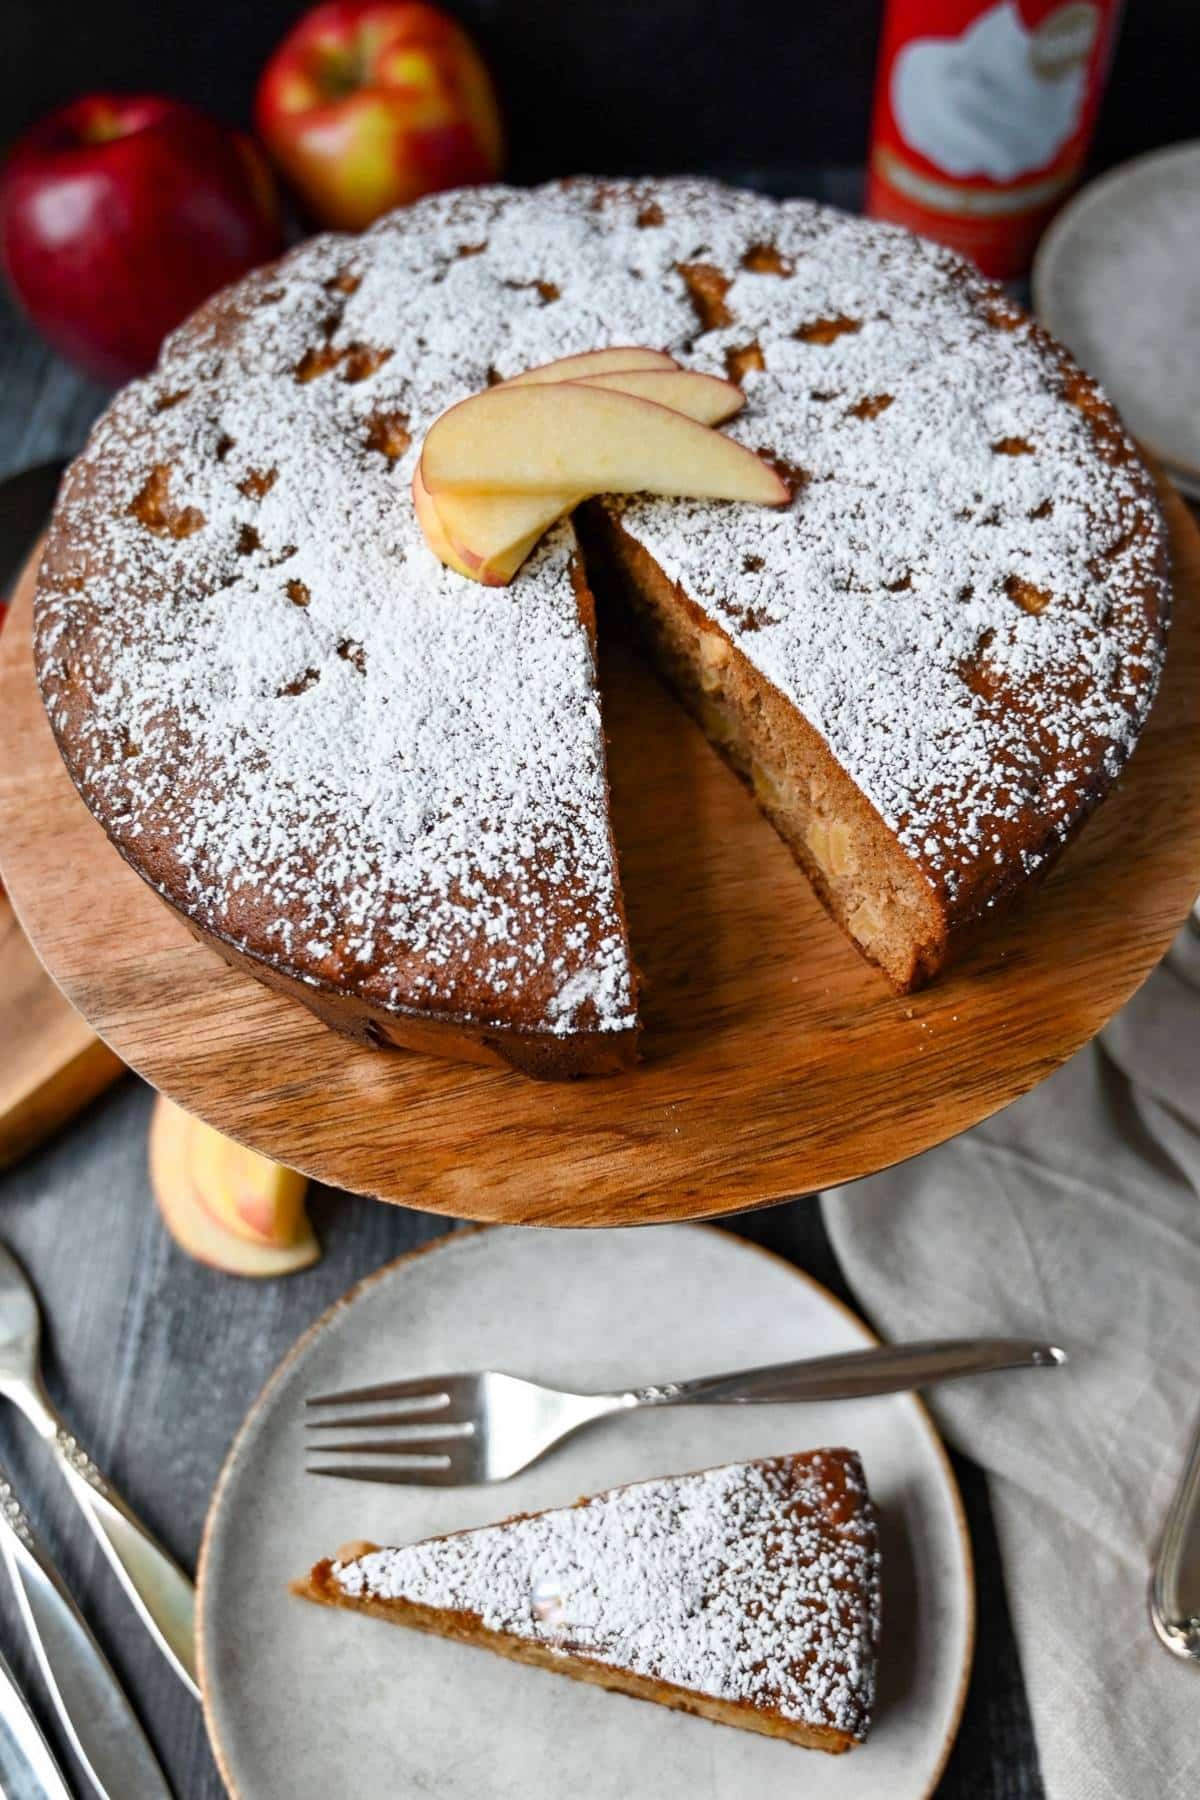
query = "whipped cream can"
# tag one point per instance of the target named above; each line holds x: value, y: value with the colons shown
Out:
x: 984, y: 110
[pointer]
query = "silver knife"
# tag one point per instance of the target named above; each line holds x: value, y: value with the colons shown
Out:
x: 97, y: 1718
x: 28, y: 1770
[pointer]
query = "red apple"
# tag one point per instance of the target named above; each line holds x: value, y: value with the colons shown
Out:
x: 120, y: 213
x: 368, y: 104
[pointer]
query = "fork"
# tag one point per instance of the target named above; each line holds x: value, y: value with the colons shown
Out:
x: 486, y: 1426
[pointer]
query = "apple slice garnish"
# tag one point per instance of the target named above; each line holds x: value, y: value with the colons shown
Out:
x: 570, y: 437
x: 587, y: 363
x: 492, y: 534
x: 705, y: 398
x: 430, y: 521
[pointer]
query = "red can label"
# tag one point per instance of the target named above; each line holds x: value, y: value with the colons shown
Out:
x: 984, y: 110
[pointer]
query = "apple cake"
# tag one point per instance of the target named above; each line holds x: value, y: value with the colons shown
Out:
x: 382, y: 788
x: 749, y: 1594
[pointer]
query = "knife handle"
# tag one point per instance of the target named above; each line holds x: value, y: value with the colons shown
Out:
x: 156, y: 1586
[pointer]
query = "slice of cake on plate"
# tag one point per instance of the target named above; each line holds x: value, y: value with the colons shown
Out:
x: 749, y: 1594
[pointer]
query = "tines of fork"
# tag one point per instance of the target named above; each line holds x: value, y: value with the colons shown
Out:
x: 436, y: 1461
x: 422, y: 1394
x: 435, y: 1419
x: 430, y: 1471
x: 449, y: 1429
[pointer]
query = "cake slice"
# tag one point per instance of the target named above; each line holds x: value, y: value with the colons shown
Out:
x: 749, y: 1594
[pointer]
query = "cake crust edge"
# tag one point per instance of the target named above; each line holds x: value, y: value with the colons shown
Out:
x: 466, y: 1628
x: 462, y: 1625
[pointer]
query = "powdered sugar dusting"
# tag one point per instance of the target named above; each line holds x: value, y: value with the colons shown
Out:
x: 329, y: 749
x: 946, y: 479
x: 757, y: 1582
x: 324, y: 744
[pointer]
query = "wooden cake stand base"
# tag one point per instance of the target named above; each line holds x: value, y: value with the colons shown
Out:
x: 776, y: 1061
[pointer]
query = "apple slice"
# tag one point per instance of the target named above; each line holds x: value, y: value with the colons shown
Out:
x: 571, y: 438
x: 591, y: 362
x: 706, y: 398
x: 492, y: 534
x: 226, y: 1205
x: 434, y: 532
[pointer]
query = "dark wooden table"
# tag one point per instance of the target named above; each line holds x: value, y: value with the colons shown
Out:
x: 155, y: 1359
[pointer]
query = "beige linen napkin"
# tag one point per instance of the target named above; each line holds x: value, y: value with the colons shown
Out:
x: 1074, y: 1216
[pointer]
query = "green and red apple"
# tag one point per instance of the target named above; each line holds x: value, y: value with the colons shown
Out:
x: 368, y: 104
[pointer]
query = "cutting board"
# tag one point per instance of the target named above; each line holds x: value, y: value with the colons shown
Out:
x: 51, y: 1062
x: 776, y: 1061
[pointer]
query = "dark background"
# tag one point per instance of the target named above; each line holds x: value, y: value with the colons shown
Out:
x: 614, y: 86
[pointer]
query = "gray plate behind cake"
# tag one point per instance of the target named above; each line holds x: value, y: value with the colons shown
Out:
x: 1117, y: 278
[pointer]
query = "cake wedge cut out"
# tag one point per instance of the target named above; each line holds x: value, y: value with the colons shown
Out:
x: 748, y: 1594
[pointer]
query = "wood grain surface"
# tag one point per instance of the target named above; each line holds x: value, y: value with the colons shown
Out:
x: 51, y: 1062
x: 776, y: 1061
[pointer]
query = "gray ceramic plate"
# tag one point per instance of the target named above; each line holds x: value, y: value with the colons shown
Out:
x: 1117, y: 278
x: 315, y: 1705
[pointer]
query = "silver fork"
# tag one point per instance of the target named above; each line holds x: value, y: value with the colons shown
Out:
x: 486, y: 1426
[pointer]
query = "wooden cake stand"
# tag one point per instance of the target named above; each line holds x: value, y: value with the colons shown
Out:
x: 776, y: 1061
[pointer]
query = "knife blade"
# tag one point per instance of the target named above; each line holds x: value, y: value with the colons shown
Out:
x: 28, y: 1770
x: 95, y: 1714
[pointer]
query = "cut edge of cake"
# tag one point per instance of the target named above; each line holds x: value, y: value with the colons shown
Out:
x: 813, y: 1688
x: 863, y: 878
